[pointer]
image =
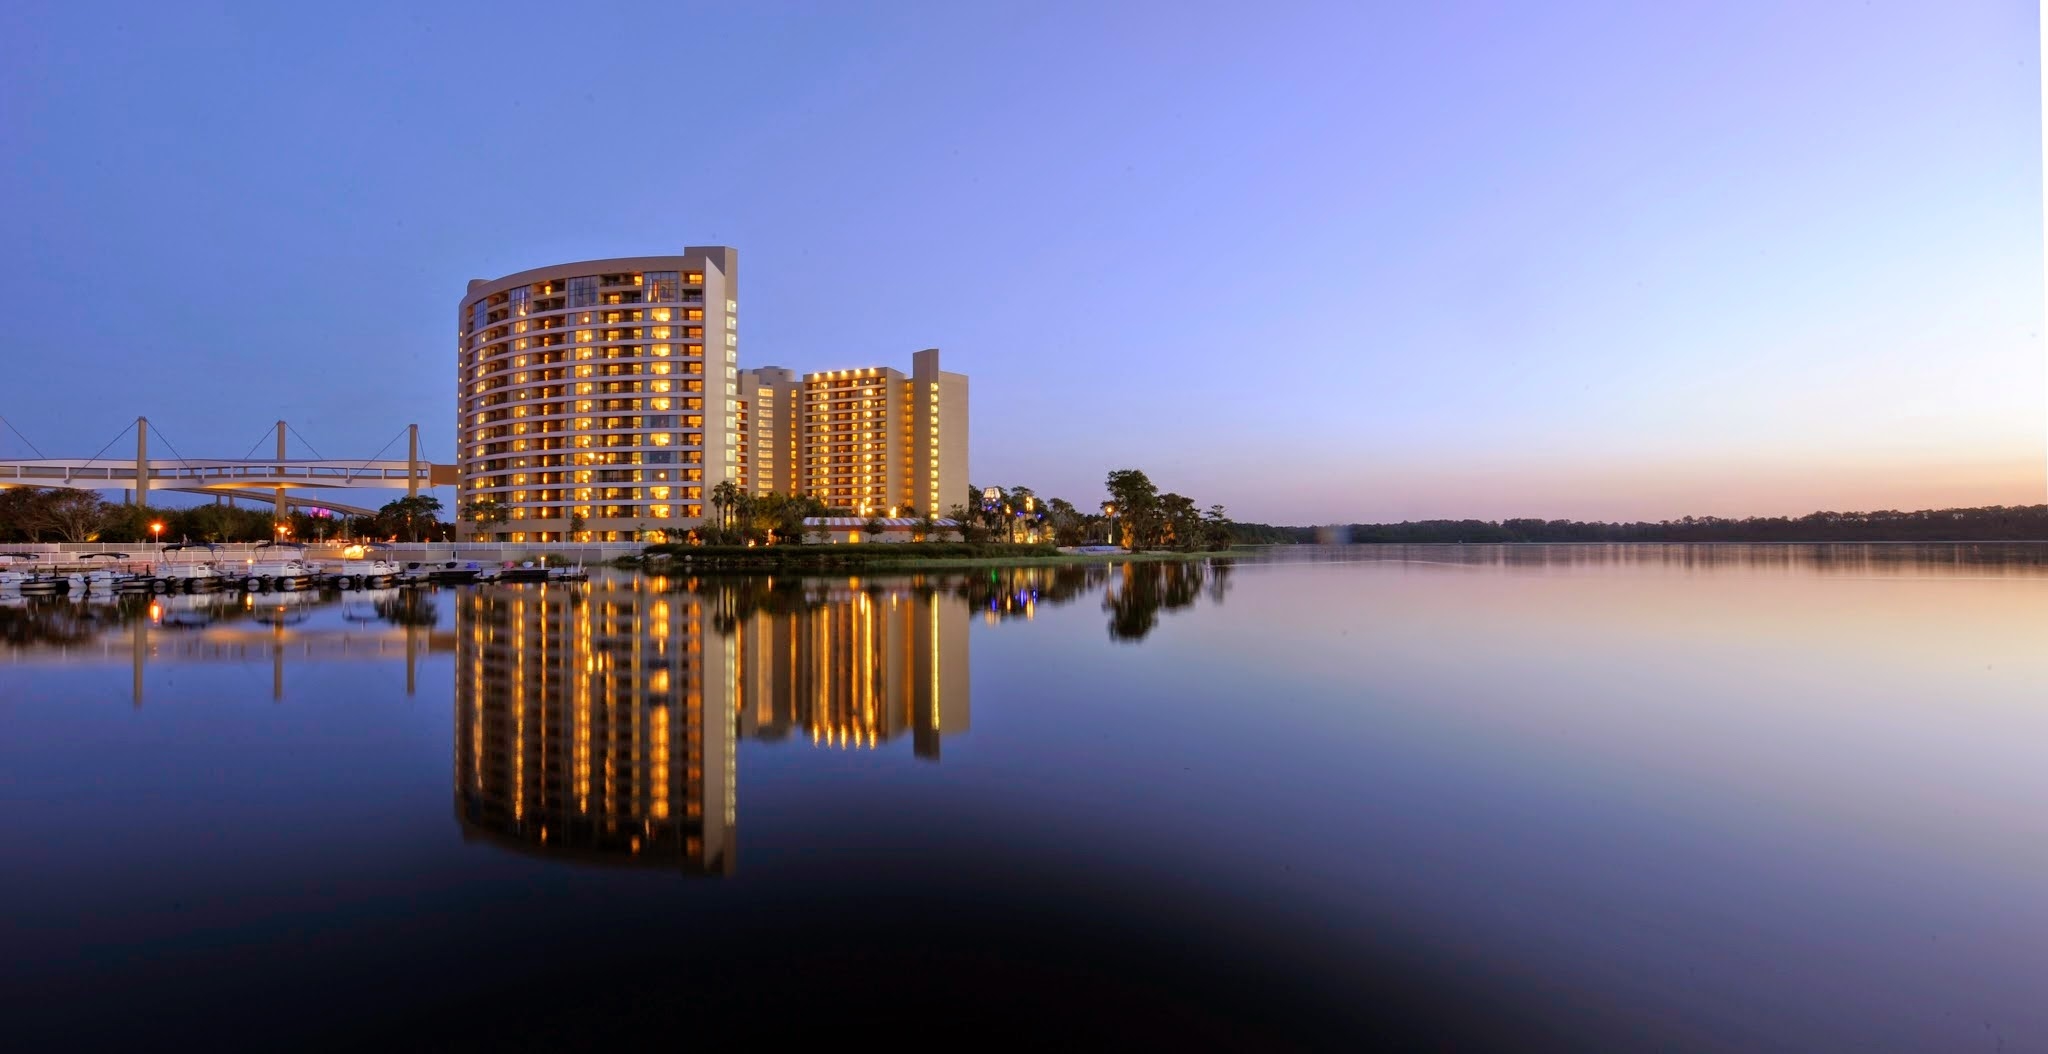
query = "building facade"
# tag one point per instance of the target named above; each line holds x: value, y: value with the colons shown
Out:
x: 599, y: 401
x: 773, y: 397
x: 874, y: 441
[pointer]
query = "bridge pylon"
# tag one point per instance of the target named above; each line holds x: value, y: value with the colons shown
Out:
x: 142, y: 461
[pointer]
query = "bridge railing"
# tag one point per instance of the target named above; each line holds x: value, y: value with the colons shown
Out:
x: 383, y: 474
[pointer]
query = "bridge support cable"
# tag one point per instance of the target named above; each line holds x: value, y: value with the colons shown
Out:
x: 308, y: 442
x: 110, y: 442
x: 23, y: 438
x: 386, y: 446
x: 259, y: 442
x: 143, y: 463
x: 167, y: 442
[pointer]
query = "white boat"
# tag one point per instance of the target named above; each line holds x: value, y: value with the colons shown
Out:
x: 191, y: 569
x: 103, y: 580
x: 279, y: 566
x: 360, y: 567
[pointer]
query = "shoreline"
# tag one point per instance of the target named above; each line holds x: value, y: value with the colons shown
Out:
x: 833, y: 559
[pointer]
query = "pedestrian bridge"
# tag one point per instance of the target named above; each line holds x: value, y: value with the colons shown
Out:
x: 268, y: 479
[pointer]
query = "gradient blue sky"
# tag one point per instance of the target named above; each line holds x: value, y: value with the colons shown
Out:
x: 1315, y: 261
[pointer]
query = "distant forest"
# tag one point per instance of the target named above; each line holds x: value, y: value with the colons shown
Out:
x: 1995, y: 523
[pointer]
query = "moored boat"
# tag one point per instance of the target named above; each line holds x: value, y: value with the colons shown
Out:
x: 361, y: 568
x: 188, y: 568
x: 279, y: 565
x: 446, y: 572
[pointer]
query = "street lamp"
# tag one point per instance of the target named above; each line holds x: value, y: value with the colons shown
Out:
x: 156, y: 531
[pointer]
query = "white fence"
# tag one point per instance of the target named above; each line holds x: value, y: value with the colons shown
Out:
x: 481, y: 552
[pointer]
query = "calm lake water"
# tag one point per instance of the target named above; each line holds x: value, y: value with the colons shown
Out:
x: 1464, y: 797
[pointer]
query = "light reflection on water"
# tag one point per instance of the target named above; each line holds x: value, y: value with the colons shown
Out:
x: 1670, y: 797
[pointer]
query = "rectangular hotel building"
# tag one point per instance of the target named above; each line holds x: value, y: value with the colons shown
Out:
x: 874, y: 440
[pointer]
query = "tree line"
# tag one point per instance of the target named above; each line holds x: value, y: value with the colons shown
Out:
x: 1136, y: 516
x: 1991, y: 523
x: 29, y: 514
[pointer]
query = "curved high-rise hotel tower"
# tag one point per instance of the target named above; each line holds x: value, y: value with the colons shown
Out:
x: 598, y: 400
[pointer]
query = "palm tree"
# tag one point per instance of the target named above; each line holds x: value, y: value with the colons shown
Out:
x: 726, y: 498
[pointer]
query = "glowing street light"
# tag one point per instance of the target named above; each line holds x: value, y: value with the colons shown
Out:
x: 157, y: 530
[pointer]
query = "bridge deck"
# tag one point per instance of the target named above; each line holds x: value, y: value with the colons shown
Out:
x: 101, y: 474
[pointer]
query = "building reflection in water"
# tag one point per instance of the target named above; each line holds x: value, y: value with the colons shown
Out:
x: 848, y: 664
x: 600, y: 722
x: 596, y: 723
